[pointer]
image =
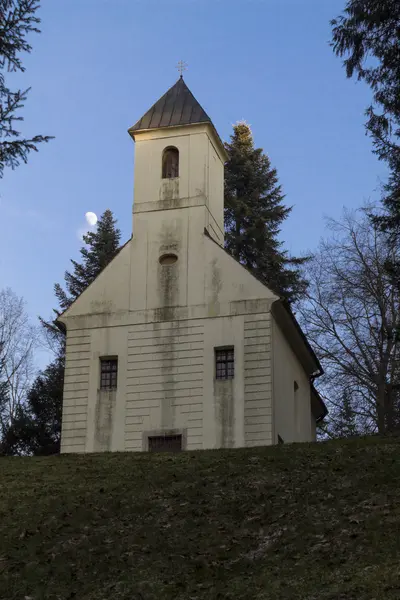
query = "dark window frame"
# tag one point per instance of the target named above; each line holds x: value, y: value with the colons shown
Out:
x: 165, y: 443
x: 170, y: 163
x: 108, y: 373
x: 224, y: 358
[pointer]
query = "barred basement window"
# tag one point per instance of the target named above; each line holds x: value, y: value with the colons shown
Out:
x: 224, y: 363
x: 165, y: 443
x: 108, y: 373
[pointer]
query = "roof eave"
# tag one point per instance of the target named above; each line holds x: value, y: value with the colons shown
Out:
x: 134, y: 132
x: 60, y: 325
x: 285, y: 318
x: 278, y: 309
x: 318, y: 407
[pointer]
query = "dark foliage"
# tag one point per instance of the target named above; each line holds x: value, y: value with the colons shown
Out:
x: 368, y: 35
x: 254, y: 213
x: 18, y: 19
x: 100, y: 248
x: 38, y: 426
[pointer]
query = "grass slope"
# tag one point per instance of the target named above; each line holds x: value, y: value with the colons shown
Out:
x: 312, y: 521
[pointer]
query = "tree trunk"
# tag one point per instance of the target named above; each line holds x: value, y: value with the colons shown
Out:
x: 389, y: 412
x: 380, y: 408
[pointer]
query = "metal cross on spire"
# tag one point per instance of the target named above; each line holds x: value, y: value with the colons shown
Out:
x: 182, y: 66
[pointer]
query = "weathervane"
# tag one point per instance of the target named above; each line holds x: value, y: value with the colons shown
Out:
x: 182, y: 66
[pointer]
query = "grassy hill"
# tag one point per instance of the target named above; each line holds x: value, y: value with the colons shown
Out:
x: 305, y: 521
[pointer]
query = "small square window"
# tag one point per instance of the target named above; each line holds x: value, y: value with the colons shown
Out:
x: 224, y: 363
x: 108, y: 373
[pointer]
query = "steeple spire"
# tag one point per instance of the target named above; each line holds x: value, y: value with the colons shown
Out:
x: 177, y: 107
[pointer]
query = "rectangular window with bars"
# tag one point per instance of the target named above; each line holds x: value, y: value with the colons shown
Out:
x: 224, y: 363
x: 165, y: 443
x: 108, y: 373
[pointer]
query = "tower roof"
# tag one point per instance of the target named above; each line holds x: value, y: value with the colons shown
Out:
x: 177, y: 107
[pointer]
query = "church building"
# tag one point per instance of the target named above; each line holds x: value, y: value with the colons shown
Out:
x: 175, y: 345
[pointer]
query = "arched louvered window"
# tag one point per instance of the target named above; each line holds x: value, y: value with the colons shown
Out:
x: 170, y: 163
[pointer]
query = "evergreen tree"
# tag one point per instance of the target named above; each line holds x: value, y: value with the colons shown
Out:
x: 18, y: 19
x: 367, y: 34
x: 101, y: 247
x: 343, y: 420
x: 38, y: 426
x: 254, y: 213
x: 36, y: 429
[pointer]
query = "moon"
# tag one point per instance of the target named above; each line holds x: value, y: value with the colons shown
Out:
x: 91, y: 218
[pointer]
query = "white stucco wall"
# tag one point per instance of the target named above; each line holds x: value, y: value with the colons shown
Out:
x: 166, y: 364
x: 258, y: 417
x: 166, y: 380
x: 292, y: 408
x: 76, y: 391
x: 166, y: 371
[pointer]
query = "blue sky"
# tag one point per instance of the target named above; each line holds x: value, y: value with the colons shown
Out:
x: 98, y: 65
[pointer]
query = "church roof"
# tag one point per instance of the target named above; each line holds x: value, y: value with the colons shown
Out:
x: 177, y: 107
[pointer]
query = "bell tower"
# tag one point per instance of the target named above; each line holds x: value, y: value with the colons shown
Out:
x: 179, y: 163
x: 178, y: 196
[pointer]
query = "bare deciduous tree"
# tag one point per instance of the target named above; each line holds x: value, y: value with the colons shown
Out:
x: 352, y: 319
x: 17, y: 340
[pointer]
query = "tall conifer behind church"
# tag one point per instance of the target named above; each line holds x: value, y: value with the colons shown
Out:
x: 254, y: 213
x: 101, y: 247
x: 37, y: 430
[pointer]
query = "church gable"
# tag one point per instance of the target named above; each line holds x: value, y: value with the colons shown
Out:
x: 109, y: 292
x: 227, y: 280
x: 221, y: 278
